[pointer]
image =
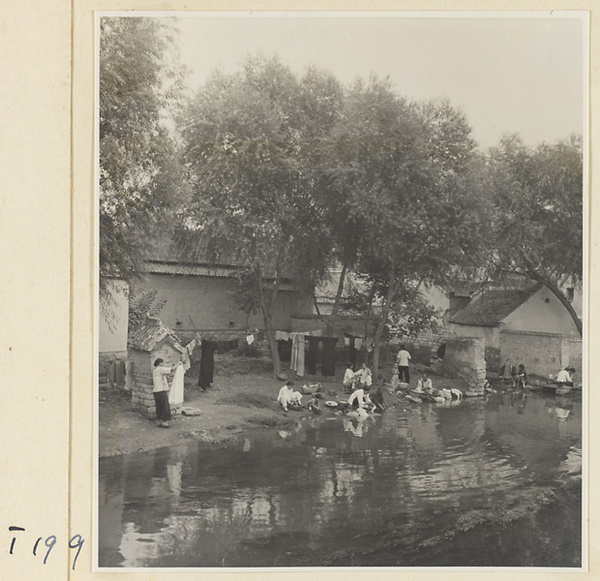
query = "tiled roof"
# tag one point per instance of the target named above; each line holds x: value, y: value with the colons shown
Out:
x: 490, y: 307
x: 194, y: 269
x: 150, y: 334
x: 209, y: 270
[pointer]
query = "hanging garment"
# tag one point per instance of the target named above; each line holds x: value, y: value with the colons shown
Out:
x: 294, y: 361
x: 298, y: 355
x: 207, y: 364
x: 176, y: 392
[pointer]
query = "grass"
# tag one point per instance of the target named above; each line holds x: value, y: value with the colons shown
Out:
x: 243, y: 399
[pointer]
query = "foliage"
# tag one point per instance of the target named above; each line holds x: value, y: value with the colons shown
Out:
x: 141, y: 174
x: 538, y: 196
x: 143, y: 303
x: 249, y: 145
x: 410, y: 315
x: 413, y: 181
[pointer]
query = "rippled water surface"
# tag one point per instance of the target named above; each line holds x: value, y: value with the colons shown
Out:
x: 481, y: 483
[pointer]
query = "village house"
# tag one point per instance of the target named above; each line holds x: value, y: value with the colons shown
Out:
x: 528, y: 325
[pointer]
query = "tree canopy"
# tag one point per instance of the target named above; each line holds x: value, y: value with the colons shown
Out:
x: 141, y: 175
x: 250, y: 138
x: 538, y: 196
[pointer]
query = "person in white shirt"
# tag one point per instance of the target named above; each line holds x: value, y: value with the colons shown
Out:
x: 360, y: 399
x: 424, y: 385
x: 349, y: 378
x: 402, y: 359
x: 161, y: 392
x: 364, y: 376
x: 285, y: 395
x: 564, y: 378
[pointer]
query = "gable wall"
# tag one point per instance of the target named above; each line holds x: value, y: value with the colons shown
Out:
x: 537, y: 315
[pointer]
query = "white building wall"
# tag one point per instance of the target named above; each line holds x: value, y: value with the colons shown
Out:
x: 543, y: 313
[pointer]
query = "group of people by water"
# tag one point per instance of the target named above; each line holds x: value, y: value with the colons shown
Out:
x: 518, y: 375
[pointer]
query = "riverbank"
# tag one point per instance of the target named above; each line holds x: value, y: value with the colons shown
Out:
x: 243, y: 397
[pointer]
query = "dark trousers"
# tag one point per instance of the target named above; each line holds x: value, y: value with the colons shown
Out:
x: 403, y: 373
x: 163, y: 410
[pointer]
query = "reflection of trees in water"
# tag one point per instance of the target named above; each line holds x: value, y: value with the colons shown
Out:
x: 198, y: 506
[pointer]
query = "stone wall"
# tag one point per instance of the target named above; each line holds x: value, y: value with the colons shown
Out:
x: 465, y: 359
x: 431, y: 340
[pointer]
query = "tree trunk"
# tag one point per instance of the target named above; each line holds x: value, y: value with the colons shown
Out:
x: 272, y: 343
x: 368, y: 322
x: 385, y: 311
x: 336, y: 304
x: 266, y: 306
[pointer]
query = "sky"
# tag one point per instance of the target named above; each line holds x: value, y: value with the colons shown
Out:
x: 524, y: 74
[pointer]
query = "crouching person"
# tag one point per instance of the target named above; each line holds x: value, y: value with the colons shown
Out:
x: 313, y: 403
x: 360, y: 399
x: 285, y: 395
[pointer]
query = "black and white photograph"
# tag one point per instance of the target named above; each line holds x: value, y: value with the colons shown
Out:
x: 341, y: 290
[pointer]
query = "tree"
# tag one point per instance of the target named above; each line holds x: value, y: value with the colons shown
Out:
x: 141, y: 175
x: 250, y: 138
x: 538, y: 196
x: 411, y: 176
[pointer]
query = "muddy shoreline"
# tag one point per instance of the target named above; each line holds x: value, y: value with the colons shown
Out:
x: 243, y: 398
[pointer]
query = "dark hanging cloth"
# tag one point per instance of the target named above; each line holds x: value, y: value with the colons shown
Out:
x: 328, y: 364
x: 352, y: 353
x: 207, y: 364
x: 311, y: 357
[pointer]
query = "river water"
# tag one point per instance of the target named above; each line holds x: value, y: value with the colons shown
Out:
x: 494, y: 482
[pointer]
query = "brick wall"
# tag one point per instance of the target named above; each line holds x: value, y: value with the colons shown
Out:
x: 541, y: 353
x: 572, y: 354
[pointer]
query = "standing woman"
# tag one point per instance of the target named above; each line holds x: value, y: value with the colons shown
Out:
x: 402, y: 359
x: 161, y: 393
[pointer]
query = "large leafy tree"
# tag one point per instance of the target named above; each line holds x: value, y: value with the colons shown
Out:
x: 411, y: 177
x: 140, y: 168
x: 251, y: 138
x: 538, y: 195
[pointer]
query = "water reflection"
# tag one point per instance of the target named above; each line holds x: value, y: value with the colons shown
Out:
x: 410, y: 487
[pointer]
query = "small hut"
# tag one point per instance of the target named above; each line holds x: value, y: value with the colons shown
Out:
x: 148, y: 342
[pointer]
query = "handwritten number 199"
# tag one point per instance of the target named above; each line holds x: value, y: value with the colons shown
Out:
x: 76, y: 542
